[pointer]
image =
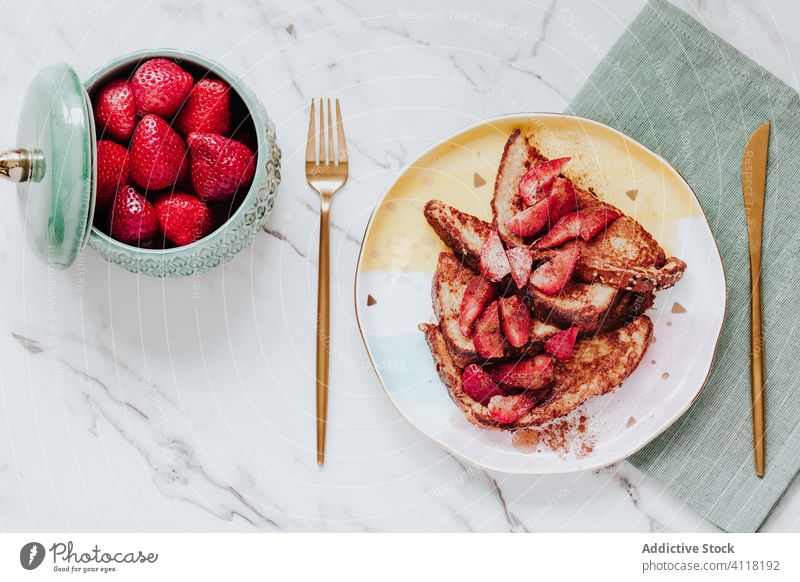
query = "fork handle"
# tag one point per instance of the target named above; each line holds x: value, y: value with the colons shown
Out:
x: 323, y: 330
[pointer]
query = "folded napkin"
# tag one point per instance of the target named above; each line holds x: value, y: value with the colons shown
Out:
x: 687, y: 95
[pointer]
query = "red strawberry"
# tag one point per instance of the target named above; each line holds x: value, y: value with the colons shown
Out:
x: 561, y: 345
x: 184, y: 219
x: 113, y: 169
x: 508, y: 409
x: 595, y: 221
x: 585, y: 224
x: 478, y: 385
x: 158, y: 154
x: 219, y: 165
x: 494, y: 262
x: 562, y: 201
x: 515, y: 320
x: 160, y: 87
x: 530, y: 374
x: 488, y: 340
x: 520, y: 260
x: 115, y: 110
x: 553, y: 276
x: 533, y: 185
x: 477, y: 295
x: 207, y: 110
x: 132, y: 219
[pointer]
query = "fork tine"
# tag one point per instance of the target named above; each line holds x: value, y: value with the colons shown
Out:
x: 340, y: 135
x: 321, y: 135
x: 331, y: 155
x: 310, y: 142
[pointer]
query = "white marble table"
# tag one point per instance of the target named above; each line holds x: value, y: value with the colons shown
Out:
x: 137, y: 404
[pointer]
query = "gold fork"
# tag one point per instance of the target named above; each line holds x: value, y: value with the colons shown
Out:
x: 326, y: 175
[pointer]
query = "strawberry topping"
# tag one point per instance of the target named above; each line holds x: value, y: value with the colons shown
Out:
x: 534, y: 184
x: 479, y: 385
x: 585, y: 224
x: 515, y: 320
x: 508, y: 409
x: 494, y: 262
x: 553, y: 276
x: 530, y: 374
x: 532, y: 220
x: 561, y: 345
x: 488, y: 339
x: 520, y: 260
x: 477, y: 295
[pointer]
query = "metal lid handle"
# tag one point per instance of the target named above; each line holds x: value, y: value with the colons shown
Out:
x: 20, y: 165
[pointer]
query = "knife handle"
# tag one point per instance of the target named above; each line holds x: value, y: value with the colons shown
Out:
x: 757, y: 361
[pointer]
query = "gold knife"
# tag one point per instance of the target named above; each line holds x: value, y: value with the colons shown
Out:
x: 754, y: 179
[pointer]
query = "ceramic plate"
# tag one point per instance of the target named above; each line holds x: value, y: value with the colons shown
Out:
x: 398, y: 257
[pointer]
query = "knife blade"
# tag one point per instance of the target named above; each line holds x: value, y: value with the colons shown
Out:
x: 754, y: 181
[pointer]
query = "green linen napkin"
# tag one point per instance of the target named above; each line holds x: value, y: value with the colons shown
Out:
x: 683, y: 92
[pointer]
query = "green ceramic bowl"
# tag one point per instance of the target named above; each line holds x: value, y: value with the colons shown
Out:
x: 240, y: 229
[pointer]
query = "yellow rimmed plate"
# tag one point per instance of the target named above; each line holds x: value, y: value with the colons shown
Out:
x: 398, y: 257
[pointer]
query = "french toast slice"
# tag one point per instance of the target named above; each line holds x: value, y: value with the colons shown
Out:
x: 462, y: 232
x: 625, y: 255
x: 449, y: 282
x: 592, y: 306
x: 598, y: 365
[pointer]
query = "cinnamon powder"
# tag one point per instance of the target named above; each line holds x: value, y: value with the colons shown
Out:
x: 562, y: 436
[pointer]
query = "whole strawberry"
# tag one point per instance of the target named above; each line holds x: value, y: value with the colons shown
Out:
x: 184, y: 219
x: 160, y: 87
x: 158, y: 154
x: 219, y: 165
x: 115, y: 110
x: 207, y: 110
x: 113, y: 169
x: 132, y: 219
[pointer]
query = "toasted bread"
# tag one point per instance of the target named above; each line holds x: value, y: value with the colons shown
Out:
x: 597, y: 366
x: 449, y: 282
x: 462, y: 232
x: 518, y: 155
x: 625, y: 255
x: 593, y: 307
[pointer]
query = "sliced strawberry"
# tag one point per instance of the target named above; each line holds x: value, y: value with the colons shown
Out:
x: 565, y: 230
x: 554, y: 275
x: 561, y: 345
x: 532, y: 186
x: 508, y: 409
x: 515, y: 320
x: 595, y: 221
x: 479, y: 385
x: 488, y: 339
x: 520, y: 260
x: 530, y: 374
x: 477, y: 295
x: 494, y: 262
x: 561, y: 202
x: 585, y: 224
x: 530, y: 221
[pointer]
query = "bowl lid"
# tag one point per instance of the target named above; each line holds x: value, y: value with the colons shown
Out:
x: 54, y: 165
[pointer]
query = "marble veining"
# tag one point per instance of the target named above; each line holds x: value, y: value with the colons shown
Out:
x: 134, y: 404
